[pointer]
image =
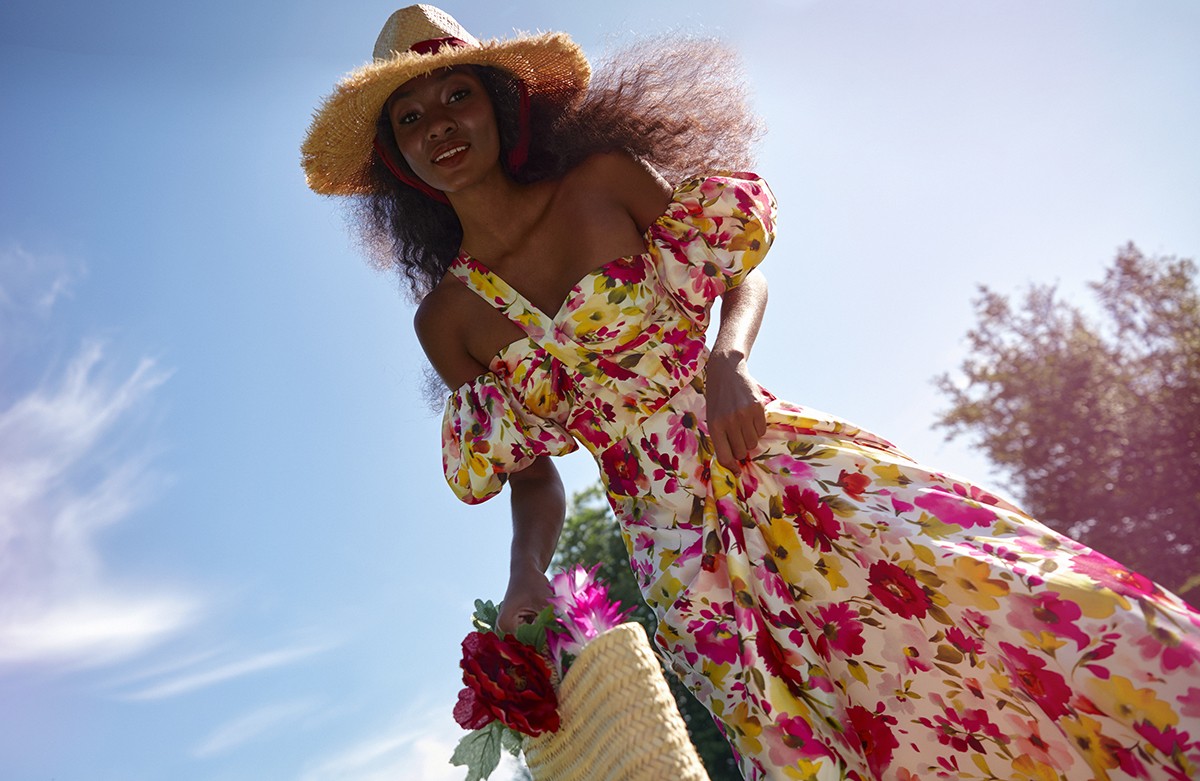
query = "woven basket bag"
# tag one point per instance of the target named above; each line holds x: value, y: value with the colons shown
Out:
x: 619, y: 720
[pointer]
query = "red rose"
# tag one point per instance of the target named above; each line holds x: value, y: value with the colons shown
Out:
x: 505, y: 680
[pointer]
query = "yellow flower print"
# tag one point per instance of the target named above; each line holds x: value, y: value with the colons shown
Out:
x: 967, y: 583
x: 1098, y: 750
x: 541, y: 398
x: 487, y: 284
x: 594, y: 315
x: 1118, y: 698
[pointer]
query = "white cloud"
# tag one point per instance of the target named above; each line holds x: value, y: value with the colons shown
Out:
x: 192, y: 680
x: 250, y: 726
x: 61, y: 481
x: 67, y: 471
x: 417, y: 746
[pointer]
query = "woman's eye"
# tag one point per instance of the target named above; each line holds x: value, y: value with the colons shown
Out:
x: 408, y: 118
x: 458, y: 95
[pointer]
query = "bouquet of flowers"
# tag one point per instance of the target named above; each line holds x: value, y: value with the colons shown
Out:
x: 510, y: 680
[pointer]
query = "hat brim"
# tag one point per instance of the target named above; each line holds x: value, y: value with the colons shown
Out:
x: 336, y: 154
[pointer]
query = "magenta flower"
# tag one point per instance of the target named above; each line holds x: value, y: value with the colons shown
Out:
x: 584, y: 611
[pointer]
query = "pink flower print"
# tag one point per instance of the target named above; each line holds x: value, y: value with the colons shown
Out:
x: 838, y: 631
x: 1047, y: 688
x: 707, y: 280
x: 814, y: 519
x: 1166, y: 740
x: 904, y: 649
x: 585, y: 425
x: 897, y: 591
x: 963, y: 731
x: 1027, y: 740
x: 1111, y: 575
x: 1190, y: 703
x: 795, y: 740
x: 622, y: 471
x: 952, y: 509
x: 1047, y: 612
x: 963, y: 642
x: 682, y: 429
x: 715, y: 640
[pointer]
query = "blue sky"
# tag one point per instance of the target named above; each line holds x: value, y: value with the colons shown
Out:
x: 226, y: 550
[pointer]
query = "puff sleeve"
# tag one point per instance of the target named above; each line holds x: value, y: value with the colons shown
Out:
x: 715, y: 230
x: 486, y: 435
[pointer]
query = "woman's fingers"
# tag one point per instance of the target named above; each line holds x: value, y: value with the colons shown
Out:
x: 735, y: 437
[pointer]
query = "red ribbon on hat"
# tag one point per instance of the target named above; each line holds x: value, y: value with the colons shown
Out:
x: 433, y: 45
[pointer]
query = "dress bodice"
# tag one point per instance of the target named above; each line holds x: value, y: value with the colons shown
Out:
x: 628, y: 337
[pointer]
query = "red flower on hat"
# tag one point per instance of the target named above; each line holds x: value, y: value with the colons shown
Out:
x: 506, y: 680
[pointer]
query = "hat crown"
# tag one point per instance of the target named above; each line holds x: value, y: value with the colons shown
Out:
x: 415, y: 24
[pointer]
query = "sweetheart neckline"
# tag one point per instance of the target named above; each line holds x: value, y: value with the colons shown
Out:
x: 464, y: 258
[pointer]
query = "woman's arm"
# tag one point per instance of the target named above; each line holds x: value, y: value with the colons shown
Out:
x: 538, y: 499
x: 538, y: 508
x: 736, y: 419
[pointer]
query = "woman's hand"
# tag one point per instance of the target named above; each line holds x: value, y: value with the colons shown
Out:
x: 736, y: 415
x: 528, y: 593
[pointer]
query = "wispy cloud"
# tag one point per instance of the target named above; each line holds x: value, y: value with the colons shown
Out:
x: 68, y: 471
x: 251, y: 726
x: 417, y: 745
x: 225, y: 670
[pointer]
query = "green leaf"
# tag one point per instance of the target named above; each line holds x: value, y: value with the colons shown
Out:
x: 486, y: 616
x: 480, y: 751
x: 511, y: 740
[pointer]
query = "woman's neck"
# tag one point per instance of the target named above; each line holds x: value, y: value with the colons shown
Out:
x: 497, y: 214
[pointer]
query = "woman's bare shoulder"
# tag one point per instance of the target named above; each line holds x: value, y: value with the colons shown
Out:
x: 624, y: 181
x: 441, y: 330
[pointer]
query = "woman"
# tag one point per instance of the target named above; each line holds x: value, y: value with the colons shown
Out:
x: 844, y: 612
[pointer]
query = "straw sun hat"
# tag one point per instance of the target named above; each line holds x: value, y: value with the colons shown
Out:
x: 415, y: 41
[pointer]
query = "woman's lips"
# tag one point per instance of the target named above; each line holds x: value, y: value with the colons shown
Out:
x: 450, y: 154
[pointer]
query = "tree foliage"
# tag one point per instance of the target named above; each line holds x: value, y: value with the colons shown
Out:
x: 591, y: 536
x: 1095, y: 421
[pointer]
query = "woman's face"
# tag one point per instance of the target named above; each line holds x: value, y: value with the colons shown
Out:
x: 445, y: 128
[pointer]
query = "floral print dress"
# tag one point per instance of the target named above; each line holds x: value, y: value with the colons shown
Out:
x: 843, y: 611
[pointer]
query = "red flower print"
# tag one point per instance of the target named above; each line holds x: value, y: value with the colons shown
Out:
x: 838, y: 631
x: 626, y: 270
x: 622, y: 471
x: 897, y: 591
x: 949, y: 508
x: 1047, y: 688
x: 814, y: 519
x: 873, y: 733
x: 505, y: 680
x: 775, y: 660
x: 854, y: 483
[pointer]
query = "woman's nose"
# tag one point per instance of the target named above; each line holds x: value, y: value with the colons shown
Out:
x: 441, y: 125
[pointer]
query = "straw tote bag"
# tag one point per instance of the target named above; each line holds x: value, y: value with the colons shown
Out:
x: 619, y: 721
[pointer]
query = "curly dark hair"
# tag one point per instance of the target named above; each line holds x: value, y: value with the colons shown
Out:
x: 679, y: 104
